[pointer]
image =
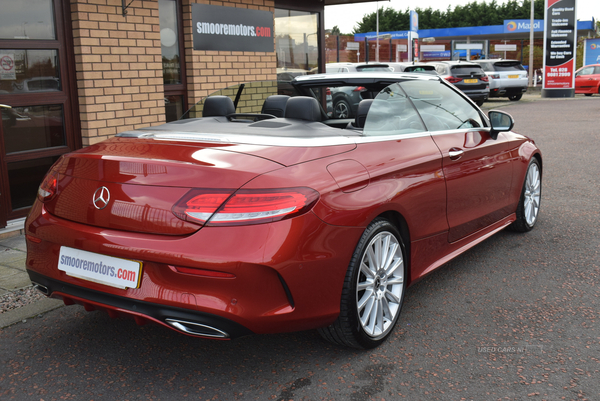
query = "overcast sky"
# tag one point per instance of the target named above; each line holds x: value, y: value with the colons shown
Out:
x: 347, y: 17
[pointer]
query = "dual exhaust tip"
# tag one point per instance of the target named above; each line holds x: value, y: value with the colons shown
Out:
x: 196, y: 329
x: 192, y: 328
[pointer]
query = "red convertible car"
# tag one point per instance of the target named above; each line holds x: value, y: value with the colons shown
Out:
x: 257, y: 214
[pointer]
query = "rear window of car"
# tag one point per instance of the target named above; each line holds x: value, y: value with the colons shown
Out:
x: 374, y: 68
x: 419, y: 68
x: 508, y: 66
x: 466, y: 69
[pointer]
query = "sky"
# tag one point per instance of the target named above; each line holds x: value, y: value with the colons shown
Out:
x: 346, y: 17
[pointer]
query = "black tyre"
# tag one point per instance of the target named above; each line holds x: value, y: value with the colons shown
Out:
x: 373, y: 289
x: 479, y: 103
x: 588, y: 94
x: 531, y: 194
x: 514, y: 98
x: 341, y: 109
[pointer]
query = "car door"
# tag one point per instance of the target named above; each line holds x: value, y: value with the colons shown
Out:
x: 584, y: 80
x: 476, y: 168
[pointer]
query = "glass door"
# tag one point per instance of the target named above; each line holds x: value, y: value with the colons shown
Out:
x: 34, y: 81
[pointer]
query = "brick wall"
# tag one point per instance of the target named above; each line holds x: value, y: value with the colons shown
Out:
x: 119, y: 69
x: 119, y: 64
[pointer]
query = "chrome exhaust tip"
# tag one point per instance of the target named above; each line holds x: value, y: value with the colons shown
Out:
x: 41, y: 288
x: 197, y: 329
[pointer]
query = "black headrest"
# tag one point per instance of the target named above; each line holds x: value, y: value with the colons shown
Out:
x: 275, y: 105
x: 217, y: 106
x: 303, y: 108
x: 361, y: 113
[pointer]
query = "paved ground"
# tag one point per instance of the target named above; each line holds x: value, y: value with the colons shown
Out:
x: 515, y: 318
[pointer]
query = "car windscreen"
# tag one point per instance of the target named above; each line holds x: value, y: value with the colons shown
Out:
x: 441, y: 107
x: 391, y: 113
x: 508, y: 66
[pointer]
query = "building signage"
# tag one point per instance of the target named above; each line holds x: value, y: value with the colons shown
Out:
x: 414, y: 21
x: 437, y: 54
x: 373, y: 35
x: 7, y: 66
x: 232, y: 29
x: 560, y: 39
x: 522, y: 25
x: 591, y: 52
x: 505, y: 48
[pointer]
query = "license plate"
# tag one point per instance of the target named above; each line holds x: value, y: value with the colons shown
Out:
x: 471, y: 81
x: 107, y: 270
x: 513, y: 76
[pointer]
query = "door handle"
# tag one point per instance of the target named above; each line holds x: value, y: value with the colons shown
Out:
x: 455, y: 153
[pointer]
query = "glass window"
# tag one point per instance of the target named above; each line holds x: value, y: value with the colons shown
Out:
x: 440, y: 107
x: 25, y: 71
x: 30, y: 128
x: 27, y: 19
x: 25, y: 178
x: 296, y: 41
x: 169, y: 41
x: 173, y: 107
x: 586, y: 71
x: 392, y: 114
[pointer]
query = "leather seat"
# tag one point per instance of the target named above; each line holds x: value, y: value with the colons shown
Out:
x: 303, y: 108
x: 275, y: 105
x: 215, y: 106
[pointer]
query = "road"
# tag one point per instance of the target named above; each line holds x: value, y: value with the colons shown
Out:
x: 516, y: 317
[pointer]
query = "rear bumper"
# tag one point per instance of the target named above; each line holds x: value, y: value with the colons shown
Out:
x: 510, y: 91
x: 184, y: 320
x: 284, y: 276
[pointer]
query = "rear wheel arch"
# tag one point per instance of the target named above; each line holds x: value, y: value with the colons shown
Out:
x: 401, y: 225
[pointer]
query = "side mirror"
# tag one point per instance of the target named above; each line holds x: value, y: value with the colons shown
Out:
x: 500, y: 122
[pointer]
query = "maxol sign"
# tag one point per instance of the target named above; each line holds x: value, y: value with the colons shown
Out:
x: 232, y: 29
x: 591, y: 52
x: 523, y: 25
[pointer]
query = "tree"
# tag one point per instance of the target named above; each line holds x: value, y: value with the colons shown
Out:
x: 335, y: 31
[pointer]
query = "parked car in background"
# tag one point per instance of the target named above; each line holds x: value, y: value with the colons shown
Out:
x: 508, y: 78
x: 466, y: 76
x: 587, y: 80
x: 337, y: 68
x: 345, y: 100
x: 413, y: 67
x: 234, y: 221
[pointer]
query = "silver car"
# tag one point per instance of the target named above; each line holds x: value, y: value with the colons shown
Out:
x: 507, y: 78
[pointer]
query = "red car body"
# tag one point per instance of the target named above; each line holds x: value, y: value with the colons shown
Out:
x: 444, y: 192
x: 587, y: 80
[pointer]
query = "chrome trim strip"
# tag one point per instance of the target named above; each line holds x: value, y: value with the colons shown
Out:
x: 309, y: 142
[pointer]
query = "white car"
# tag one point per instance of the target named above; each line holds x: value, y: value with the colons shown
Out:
x: 507, y: 78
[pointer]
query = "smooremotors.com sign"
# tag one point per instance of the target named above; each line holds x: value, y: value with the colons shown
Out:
x: 232, y: 29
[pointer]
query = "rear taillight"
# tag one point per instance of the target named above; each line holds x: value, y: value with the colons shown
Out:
x: 484, y: 78
x: 495, y: 76
x: 48, y: 187
x: 359, y: 89
x: 244, y: 207
x: 453, y: 80
x: 328, y: 92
